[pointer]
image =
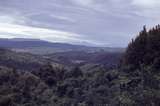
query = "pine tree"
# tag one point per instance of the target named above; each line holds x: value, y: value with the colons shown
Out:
x: 139, y: 73
x: 136, y: 49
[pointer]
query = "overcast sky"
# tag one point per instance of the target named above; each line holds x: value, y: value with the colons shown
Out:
x: 91, y: 22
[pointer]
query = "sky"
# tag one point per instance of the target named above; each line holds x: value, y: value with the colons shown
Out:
x: 111, y: 23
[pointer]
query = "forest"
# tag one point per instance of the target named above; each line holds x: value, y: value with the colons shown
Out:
x: 130, y: 78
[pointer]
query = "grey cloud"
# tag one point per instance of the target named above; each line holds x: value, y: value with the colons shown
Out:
x: 109, y: 22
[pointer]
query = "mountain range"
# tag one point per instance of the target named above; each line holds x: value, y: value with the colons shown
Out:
x: 37, y: 46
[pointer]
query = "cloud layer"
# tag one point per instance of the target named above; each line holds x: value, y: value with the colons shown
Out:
x: 97, y: 22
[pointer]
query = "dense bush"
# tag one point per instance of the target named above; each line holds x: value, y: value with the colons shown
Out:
x: 144, y: 49
x: 58, y: 86
x: 75, y: 87
x: 23, y: 89
x: 139, y: 73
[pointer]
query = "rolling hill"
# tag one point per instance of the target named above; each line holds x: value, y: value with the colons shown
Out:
x: 36, y: 46
x: 80, y: 58
x: 22, y: 61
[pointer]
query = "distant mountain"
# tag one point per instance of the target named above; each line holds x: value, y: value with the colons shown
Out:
x: 23, y: 39
x: 37, y: 46
x: 26, y: 43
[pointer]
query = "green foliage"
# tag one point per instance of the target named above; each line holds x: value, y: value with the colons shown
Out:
x: 144, y: 49
x: 139, y: 72
x: 22, y: 89
x: 55, y: 86
x: 74, y: 87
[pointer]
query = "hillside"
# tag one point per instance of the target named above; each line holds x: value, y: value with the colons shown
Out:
x: 22, y: 61
x: 27, y: 61
x: 36, y: 46
x: 41, y: 81
x: 139, y: 72
x: 107, y: 59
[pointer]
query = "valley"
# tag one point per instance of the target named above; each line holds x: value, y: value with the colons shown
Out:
x: 83, y: 77
x: 28, y: 53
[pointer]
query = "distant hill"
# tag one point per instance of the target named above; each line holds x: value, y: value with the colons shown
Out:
x: 23, y: 61
x: 107, y: 59
x: 37, y: 46
x: 27, y: 61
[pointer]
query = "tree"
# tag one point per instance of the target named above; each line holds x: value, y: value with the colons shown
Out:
x: 139, y: 73
x: 136, y: 49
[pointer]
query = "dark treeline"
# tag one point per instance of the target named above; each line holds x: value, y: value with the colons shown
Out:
x: 140, y: 70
